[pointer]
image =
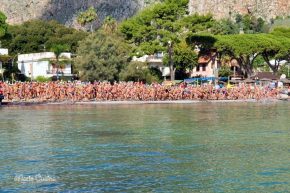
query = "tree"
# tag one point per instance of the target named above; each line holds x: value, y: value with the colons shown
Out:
x: 243, y: 47
x: 260, y: 64
x: 102, y: 56
x: 277, y: 50
x: 38, y: 36
x: 197, y: 23
x: 283, y: 32
x: 87, y: 17
x: 225, y: 71
x: 58, y: 49
x: 251, y: 24
x: 225, y: 27
x: 285, y: 70
x: 152, y: 29
x: 185, y: 58
x: 239, y: 18
x: 3, y: 25
x: 110, y: 25
x: 138, y: 71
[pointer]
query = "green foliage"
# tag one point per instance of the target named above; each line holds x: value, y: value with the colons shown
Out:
x: 5, y: 58
x: 42, y: 79
x: 184, y: 57
x: 247, y: 47
x: 34, y: 36
x: 239, y: 18
x: 11, y: 71
x: 57, y: 49
x: 205, y: 42
x: 259, y: 63
x: 59, y: 61
x: 87, y: 16
x: 251, y: 24
x: 280, y: 22
x: 225, y: 27
x: 138, y: 71
x: 282, y: 32
x: 247, y: 23
x: 197, y: 23
x: 3, y: 25
x: 110, y: 25
x: 278, y: 48
x: 285, y: 69
x: 101, y: 57
x: 152, y: 28
x: 225, y: 71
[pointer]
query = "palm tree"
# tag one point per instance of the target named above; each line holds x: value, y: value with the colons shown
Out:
x: 58, y: 49
x: 87, y: 16
x: 110, y: 25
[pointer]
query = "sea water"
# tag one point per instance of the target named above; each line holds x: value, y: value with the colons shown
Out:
x: 202, y: 147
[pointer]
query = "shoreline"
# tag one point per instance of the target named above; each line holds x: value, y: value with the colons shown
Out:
x: 31, y: 103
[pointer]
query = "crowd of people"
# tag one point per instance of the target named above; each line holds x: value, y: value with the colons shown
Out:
x: 129, y: 91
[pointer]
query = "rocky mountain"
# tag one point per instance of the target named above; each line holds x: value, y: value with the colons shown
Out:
x: 267, y: 9
x: 65, y: 11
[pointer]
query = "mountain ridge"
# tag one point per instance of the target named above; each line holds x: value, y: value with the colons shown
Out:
x: 66, y: 11
x: 266, y: 9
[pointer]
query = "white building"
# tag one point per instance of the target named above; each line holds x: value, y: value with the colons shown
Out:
x: 155, y: 61
x: 3, y: 51
x: 38, y: 64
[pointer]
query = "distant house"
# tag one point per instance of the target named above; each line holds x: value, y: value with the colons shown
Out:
x: 156, y: 61
x: 207, y: 66
x: 38, y: 64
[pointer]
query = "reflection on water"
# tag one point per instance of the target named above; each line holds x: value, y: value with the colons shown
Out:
x: 160, y: 148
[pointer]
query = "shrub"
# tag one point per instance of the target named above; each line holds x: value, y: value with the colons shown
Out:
x: 42, y: 79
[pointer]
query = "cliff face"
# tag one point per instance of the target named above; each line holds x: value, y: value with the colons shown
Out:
x: 266, y: 9
x: 65, y: 11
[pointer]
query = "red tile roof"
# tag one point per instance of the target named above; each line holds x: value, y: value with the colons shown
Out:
x: 203, y: 59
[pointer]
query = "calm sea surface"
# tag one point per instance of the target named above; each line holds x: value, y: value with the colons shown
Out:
x: 222, y: 147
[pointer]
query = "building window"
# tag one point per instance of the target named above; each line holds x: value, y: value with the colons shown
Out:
x: 204, y: 67
x: 198, y: 68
